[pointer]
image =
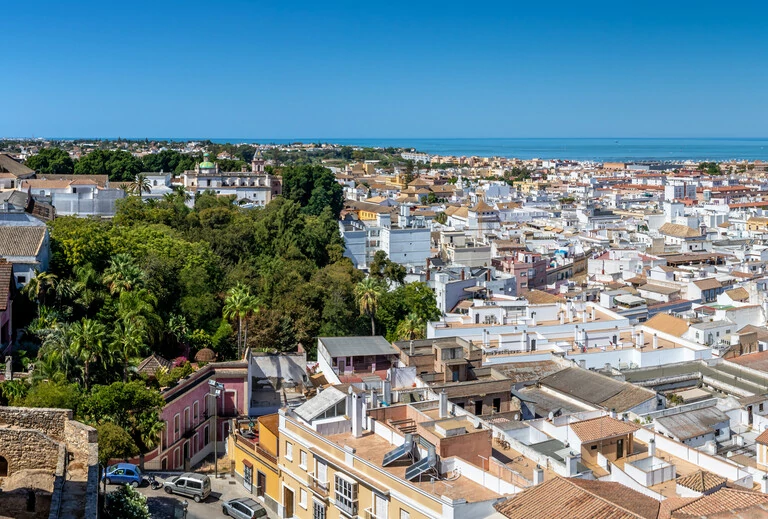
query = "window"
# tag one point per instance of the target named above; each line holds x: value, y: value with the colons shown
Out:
x: 193, y: 483
x: 497, y: 404
x: 594, y: 447
x: 404, y: 514
x: 303, y: 461
x: 303, y: 498
x: 346, y: 495
x: 176, y: 422
x: 318, y: 510
x: 21, y: 279
x: 761, y: 407
x: 196, y: 412
x: 289, y: 451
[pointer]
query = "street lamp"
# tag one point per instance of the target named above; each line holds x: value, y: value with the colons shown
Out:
x: 217, y: 389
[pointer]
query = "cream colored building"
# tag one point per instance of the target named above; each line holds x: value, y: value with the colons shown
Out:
x: 338, y: 461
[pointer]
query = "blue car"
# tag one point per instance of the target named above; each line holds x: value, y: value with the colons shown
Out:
x: 123, y: 474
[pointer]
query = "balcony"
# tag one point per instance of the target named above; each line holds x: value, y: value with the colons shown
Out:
x: 318, y: 487
x: 368, y: 513
x: 251, y: 441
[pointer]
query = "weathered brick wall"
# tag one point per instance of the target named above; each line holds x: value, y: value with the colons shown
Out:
x: 49, y: 421
x: 27, y: 449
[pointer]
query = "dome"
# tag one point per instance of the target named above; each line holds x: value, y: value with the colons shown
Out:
x: 206, y: 163
x: 205, y: 355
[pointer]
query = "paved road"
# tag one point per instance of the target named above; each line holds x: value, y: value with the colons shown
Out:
x: 162, y: 505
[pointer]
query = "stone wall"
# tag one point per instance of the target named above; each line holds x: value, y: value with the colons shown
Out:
x: 28, y: 449
x: 49, y: 421
x: 79, y: 438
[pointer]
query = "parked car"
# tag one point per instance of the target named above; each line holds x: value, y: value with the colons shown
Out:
x: 243, y: 508
x: 123, y: 474
x: 196, y: 486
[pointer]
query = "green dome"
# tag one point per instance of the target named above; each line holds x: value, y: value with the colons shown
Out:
x: 207, y: 164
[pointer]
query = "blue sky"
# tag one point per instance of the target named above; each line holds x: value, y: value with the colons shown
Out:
x: 385, y: 69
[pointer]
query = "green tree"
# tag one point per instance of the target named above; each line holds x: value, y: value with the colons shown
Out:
x: 411, y: 328
x: 88, y: 344
x: 368, y: 293
x: 131, y: 405
x: 127, y: 344
x: 314, y: 188
x: 122, y: 274
x: 441, y: 218
x: 115, y: 443
x: 39, y: 286
x: 141, y: 185
x: 53, y: 161
x: 60, y: 395
x: 118, y: 165
x: 239, y: 305
x: 126, y: 503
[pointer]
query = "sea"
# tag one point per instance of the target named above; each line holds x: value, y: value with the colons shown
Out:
x: 581, y: 149
x: 587, y: 149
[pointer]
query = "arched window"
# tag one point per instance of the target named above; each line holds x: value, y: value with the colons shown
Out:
x: 3, y: 467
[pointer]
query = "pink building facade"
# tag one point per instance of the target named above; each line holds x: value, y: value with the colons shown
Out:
x: 189, y: 415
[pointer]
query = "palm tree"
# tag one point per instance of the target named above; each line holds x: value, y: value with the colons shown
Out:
x: 87, y: 343
x: 141, y: 185
x: 138, y: 307
x: 410, y: 328
x: 182, y: 192
x: 240, y: 304
x: 40, y: 284
x: 368, y: 292
x: 87, y: 286
x: 122, y: 274
x: 127, y: 343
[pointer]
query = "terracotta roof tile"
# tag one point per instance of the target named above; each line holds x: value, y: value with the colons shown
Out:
x: 561, y: 498
x: 679, y: 231
x: 668, y: 324
x: 723, y: 500
x: 21, y: 241
x: 601, y: 428
x: 702, y: 481
x: 6, y: 278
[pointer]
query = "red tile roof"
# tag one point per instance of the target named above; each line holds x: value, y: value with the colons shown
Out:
x: 561, y: 498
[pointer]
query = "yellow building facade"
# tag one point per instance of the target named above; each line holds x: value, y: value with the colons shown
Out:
x: 254, y: 455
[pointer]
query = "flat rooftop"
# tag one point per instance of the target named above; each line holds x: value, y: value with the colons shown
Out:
x: 372, y: 448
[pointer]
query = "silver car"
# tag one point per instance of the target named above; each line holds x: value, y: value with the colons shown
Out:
x: 243, y: 508
x: 196, y: 486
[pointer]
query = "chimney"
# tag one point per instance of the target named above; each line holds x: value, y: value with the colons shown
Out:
x: 568, y: 312
x: 357, y: 404
x: 571, y: 464
x: 585, y: 340
x: 640, y: 339
x: 374, y: 398
x: 386, y: 391
x: 593, y: 313
x: 488, y: 275
x: 561, y: 315
x: 443, y: 404
x: 411, y: 349
x: 583, y: 364
x: 538, y: 475
x: 764, y: 484
x: 613, y: 413
x: 576, y: 335
x: 655, y: 342
x: 485, y: 337
x: 652, y: 447
x: 584, y: 316
x: 533, y: 318
x: 524, y: 341
x: 462, y: 274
